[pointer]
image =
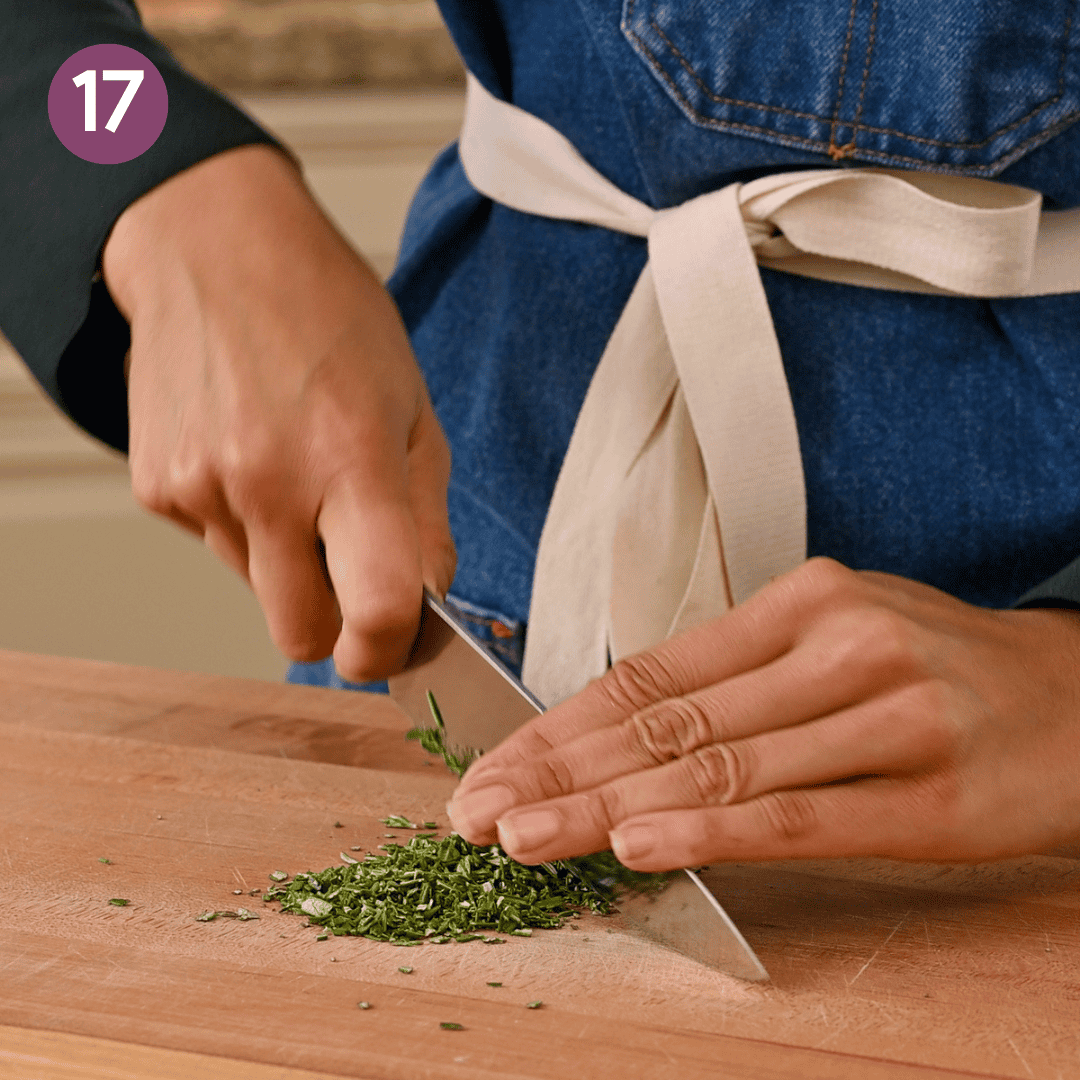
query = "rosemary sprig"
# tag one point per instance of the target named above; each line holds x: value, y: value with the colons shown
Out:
x: 457, y: 760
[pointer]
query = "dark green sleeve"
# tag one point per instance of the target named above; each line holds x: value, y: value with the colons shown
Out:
x: 1062, y: 590
x: 56, y: 210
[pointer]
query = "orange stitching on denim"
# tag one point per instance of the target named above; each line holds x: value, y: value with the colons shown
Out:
x: 685, y: 64
x: 834, y: 150
x: 818, y: 146
x: 655, y: 64
x: 866, y: 66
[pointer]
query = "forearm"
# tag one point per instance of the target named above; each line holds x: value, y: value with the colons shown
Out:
x: 57, y: 209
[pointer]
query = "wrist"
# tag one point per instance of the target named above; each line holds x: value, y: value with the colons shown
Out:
x: 187, y: 220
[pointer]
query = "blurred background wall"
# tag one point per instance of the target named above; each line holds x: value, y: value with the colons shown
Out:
x: 366, y: 93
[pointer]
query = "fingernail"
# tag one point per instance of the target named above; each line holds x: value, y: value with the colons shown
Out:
x: 477, y: 811
x: 526, y: 831
x: 634, y: 841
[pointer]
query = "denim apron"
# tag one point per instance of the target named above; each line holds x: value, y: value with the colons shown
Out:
x: 939, y: 435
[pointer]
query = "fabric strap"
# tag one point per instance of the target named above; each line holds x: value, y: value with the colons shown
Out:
x: 682, y: 490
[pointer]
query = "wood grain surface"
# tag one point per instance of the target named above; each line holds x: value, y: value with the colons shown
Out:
x: 196, y: 787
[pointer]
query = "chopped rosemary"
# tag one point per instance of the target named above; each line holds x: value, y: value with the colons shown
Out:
x: 494, y: 984
x: 447, y: 1026
x: 438, y: 891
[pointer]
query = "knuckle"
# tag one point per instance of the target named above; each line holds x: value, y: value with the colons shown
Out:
x: 719, y: 775
x: 191, y: 482
x: 936, y: 800
x: 251, y: 474
x: 638, y: 681
x: 823, y: 578
x: 553, y: 778
x: 609, y: 806
x: 385, y: 617
x: 667, y: 730
x: 932, y: 704
x: 150, y: 491
x: 887, y: 641
x: 789, y: 816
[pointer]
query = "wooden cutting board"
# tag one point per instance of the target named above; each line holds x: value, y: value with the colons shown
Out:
x: 195, y: 787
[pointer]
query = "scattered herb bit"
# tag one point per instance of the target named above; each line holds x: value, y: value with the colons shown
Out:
x: 526, y: 932
x: 338, y: 825
x: 107, y: 862
x: 430, y: 825
x: 457, y: 760
x: 238, y: 892
x: 322, y: 937
x: 240, y: 913
x: 534, y: 1005
x: 347, y: 859
x: 446, y: 1026
x: 363, y: 1004
x: 494, y: 984
x: 494, y: 941
x: 119, y: 901
x: 277, y: 875
x: 405, y: 970
x: 357, y: 848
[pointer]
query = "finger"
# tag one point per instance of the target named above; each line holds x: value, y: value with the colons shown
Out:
x: 898, y: 734
x: 907, y: 818
x: 429, y: 476
x: 842, y: 661
x: 750, y: 636
x: 776, y: 695
x: 373, y: 557
x: 229, y: 544
x: 286, y: 573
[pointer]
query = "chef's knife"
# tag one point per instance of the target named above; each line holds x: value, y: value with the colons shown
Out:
x: 481, y: 703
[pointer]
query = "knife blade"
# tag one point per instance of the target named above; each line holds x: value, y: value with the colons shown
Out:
x: 482, y: 703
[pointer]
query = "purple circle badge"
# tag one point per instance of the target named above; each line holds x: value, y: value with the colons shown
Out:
x: 108, y: 104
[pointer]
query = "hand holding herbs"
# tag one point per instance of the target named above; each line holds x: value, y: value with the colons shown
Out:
x: 835, y: 713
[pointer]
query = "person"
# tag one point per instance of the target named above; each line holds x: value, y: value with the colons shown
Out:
x: 912, y: 690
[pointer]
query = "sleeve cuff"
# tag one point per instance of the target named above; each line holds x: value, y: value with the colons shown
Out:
x: 58, y: 210
x: 1060, y: 591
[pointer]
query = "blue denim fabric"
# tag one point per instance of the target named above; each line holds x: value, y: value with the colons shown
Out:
x: 940, y: 436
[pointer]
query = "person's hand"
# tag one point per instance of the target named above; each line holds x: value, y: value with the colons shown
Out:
x: 276, y: 408
x: 835, y: 713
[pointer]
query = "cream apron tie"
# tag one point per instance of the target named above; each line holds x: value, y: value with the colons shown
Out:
x: 682, y: 490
